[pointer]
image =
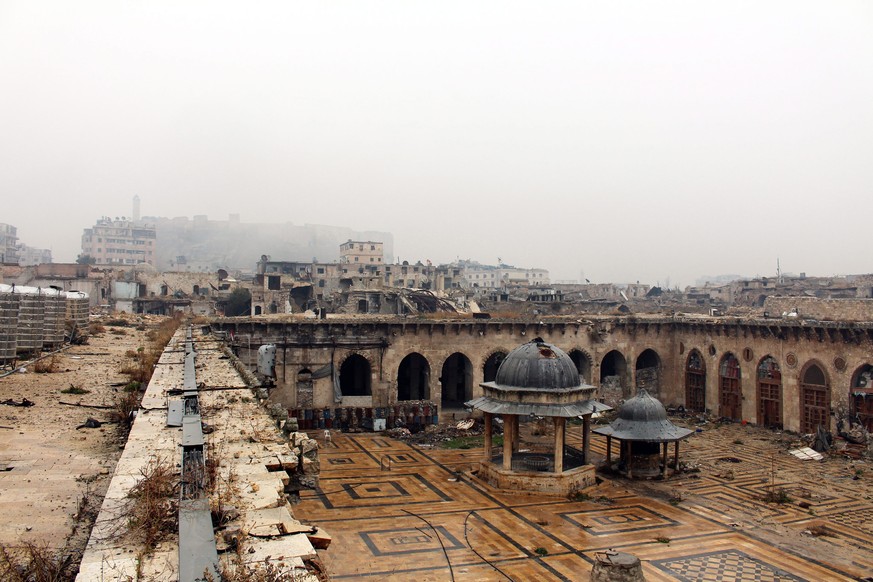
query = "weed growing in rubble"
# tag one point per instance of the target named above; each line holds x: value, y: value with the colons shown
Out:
x: 145, y: 358
x: 73, y: 389
x: 34, y: 563
x: 153, y: 511
x: 46, y: 366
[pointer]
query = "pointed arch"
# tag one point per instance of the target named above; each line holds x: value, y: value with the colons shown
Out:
x: 730, y: 392
x: 695, y: 382
x: 492, y: 363
x: 648, y: 372
x: 861, y: 396
x: 355, y: 376
x: 815, y: 397
x: 769, y: 392
x: 584, y: 364
x: 413, y: 378
x: 456, y: 380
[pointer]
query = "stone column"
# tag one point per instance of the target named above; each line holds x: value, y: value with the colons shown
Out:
x: 507, y: 442
x: 559, y: 445
x: 608, y: 451
x: 676, y: 458
x: 664, y: 470
x: 488, y: 432
x: 515, y: 432
x: 586, y: 439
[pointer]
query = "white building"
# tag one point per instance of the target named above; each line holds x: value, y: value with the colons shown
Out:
x: 119, y: 242
x: 491, y: 277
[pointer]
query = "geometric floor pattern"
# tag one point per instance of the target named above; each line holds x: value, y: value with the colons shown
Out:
x: 401, y: 512
x: 715, y: 566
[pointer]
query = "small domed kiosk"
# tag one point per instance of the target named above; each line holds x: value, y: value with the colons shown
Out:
x: 642, y: 427
x: 537, y: 380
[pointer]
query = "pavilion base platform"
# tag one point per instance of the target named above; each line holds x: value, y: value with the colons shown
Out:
x: 537, y: 482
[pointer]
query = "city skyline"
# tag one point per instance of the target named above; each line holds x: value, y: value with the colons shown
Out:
x: 631, y: 142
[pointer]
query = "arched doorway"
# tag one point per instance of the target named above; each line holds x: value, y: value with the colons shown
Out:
x: 769, y: 393
x: 815, y: 399
x: 355, y: 376
x: 456, y: 381
x: 258, y: 310
x: 613, y: 378
x: 648, y: 372
x: 695, y: 383
x: 413, y: 378
x: 730, y: 392
x: 304, y: 388
x: 583, y: 364
x: 861, y: 396
x: 489, y: 369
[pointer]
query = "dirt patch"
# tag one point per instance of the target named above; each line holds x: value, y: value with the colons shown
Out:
x: 57, y: 459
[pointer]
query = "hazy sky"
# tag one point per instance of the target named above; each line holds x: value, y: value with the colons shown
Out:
x: 632, y: 140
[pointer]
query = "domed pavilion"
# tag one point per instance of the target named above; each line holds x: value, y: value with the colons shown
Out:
x: 642, y: 428
x: 537, y: 380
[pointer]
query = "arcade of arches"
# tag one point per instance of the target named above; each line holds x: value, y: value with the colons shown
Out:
x: 776, y: 374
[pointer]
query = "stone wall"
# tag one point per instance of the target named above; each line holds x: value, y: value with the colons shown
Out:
x: 821, y: 309
x: 839, y: 349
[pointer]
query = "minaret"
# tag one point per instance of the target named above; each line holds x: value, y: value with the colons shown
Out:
x: 136, y: 208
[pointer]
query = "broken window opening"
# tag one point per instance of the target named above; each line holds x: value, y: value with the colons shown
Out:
x: 648, y: 372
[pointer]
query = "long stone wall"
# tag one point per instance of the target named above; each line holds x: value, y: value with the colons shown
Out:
x: 821, y: 309
x: 307, y: 347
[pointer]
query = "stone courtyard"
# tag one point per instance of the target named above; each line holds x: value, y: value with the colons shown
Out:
x: 427, y: 518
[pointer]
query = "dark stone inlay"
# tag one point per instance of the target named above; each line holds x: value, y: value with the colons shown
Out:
x: 724, y: 565
x: 385, y: 542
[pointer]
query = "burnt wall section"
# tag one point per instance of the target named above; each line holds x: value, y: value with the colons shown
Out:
x: 623, y: 354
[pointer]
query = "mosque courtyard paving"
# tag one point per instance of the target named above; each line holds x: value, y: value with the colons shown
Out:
x: 426, y: 519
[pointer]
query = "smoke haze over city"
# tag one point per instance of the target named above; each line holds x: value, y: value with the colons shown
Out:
x: 614, y: 142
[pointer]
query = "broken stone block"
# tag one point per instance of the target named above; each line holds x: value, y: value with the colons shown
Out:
x: 320, y: 540
x: 311, y: 466
x: 308, y: 446
x: 278, y: 411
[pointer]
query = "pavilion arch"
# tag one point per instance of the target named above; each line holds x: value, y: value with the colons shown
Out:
x: 648, y: 372
x: 815, y: 397
x: 861, y: 396
x: 456, y: 381
x: 356, y: 376
x: 695, y: 382
x: 730, y: 390
x: 492, y: 362
x: 584, y: 364
x: 769, y: 392
x: 613, y: 378
x: 413, y: 378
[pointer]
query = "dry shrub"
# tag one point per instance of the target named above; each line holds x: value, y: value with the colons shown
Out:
x: 115, y: 331
x: 145, y: 358
x: 46, y: 365
x: 125, y: 406
x: 152, y: 516
x: 95, y: 328
x: 34, y: 563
